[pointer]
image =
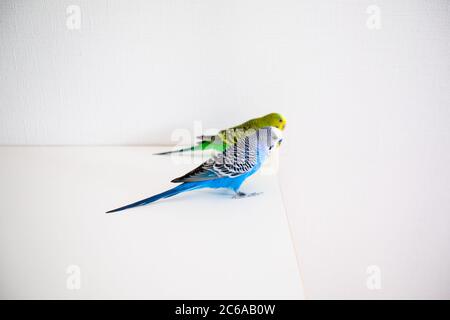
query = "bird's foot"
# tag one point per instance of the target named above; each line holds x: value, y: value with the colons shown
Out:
x: 240, y: 195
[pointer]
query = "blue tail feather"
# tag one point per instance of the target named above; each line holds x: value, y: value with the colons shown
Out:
x: 166, y: 194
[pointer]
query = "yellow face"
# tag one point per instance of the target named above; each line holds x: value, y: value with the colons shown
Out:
x: 275, y: 120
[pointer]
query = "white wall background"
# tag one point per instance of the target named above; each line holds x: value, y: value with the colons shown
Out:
x: 365, y: 161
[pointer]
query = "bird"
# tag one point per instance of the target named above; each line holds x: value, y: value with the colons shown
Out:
x: 227, y: 137
x: 228, y: 169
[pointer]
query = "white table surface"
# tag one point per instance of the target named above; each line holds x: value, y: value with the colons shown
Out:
x: 201, y: 244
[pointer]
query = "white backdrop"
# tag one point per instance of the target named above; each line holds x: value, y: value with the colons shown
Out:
x: 364, y: 85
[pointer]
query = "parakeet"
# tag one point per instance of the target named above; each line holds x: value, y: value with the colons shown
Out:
x: 229, y: 136
x: 228, y: 169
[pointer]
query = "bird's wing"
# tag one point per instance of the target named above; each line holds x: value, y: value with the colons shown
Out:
x: 234, y: 161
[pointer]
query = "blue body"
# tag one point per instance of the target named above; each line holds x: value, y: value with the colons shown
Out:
x: 225, y: 182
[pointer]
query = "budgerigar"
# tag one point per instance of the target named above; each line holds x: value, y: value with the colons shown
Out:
x: 228, y: 169
x: 229, y: 136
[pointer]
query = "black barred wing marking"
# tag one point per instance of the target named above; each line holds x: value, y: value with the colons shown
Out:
x: 201, y: 173
x: 238, y: 159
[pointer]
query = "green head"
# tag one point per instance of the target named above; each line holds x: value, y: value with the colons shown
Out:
x: 273, y: 120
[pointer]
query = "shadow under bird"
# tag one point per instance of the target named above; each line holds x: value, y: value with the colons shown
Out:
x: 228, y: 137
x: 228, y: 169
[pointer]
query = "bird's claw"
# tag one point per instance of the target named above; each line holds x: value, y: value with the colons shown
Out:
x: 240, y: 195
